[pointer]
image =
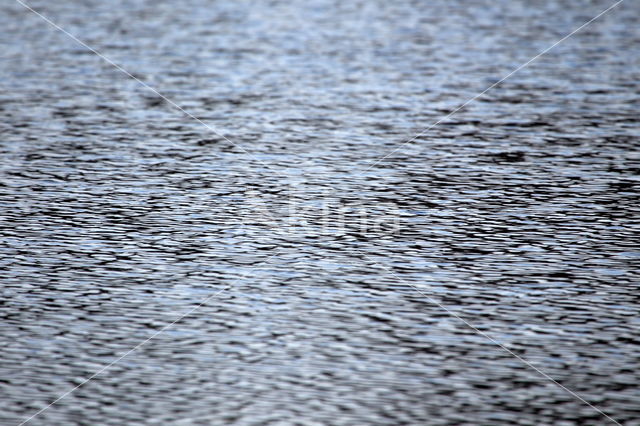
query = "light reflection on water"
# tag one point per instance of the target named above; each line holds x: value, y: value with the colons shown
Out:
x: 120, y: 214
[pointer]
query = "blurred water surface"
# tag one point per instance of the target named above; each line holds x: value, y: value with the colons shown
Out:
x: 119, y: 213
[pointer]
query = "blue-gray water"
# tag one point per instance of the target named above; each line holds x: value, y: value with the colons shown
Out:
x: 119, y: 214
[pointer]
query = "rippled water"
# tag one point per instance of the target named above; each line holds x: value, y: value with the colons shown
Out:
x: 324, y: 273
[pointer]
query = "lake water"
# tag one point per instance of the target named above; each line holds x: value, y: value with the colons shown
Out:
x: 326, y: 281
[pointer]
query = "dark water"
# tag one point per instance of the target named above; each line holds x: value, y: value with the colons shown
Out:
x: 119, y: 214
